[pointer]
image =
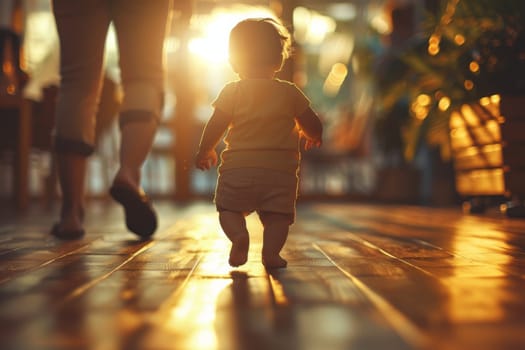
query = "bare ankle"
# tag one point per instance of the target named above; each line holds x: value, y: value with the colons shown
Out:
x: 71, y: 221
x: 128, y: 177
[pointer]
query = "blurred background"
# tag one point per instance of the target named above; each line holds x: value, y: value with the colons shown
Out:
x: 410, y: 92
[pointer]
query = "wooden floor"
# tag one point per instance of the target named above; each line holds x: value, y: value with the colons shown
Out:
x: 360, y: 276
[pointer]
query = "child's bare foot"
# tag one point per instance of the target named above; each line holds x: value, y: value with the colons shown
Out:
x: 274, y: 262
x: 239, y: 251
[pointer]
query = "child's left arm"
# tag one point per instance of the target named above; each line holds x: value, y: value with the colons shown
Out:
x: 311, y: 128
x: 214, y: 129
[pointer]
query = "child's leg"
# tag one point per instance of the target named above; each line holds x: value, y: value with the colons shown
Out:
x: 275, y: 233
x: 234, y: 226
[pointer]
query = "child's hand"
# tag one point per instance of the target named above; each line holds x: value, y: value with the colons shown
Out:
x: 204, y: 161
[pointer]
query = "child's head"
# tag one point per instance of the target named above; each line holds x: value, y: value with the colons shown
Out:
x: 259, y: 43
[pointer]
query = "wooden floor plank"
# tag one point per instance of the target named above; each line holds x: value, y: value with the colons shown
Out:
x: 443, y: 289
x: 359, y: 276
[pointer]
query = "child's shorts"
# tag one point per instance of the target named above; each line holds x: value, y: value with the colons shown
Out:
x: 255, y: 189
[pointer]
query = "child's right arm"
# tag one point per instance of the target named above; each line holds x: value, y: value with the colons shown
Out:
x: 214, y: 129
x: 311, y: 128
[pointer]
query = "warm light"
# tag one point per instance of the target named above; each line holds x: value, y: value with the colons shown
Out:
x: 472, y: 239
x: 320, y: 26
x: 419, y: 111
x: 210, y: 49
x: 495, y: 98
x: 433, y: 49
x: 195, y: 321
x: 423, y: 100
x: 40, y: 38
x: 459, y: 39
x: 301, y: 19
x: 340, y: 70
x: 459, y: 133
x: 338, y: 47
x: 311, y: 27
x: 492, y: 131
x: 380, y: 24
x: 278, y: 292
x: 11, y: 89
x: 433, y: 44
x: 456, y: 121
x: 484, y: 101
x: 7, y: 67
x: 468, y: 84
x: 212, y: 43
x: 444, y: 103
x: 342, y: 11
x: 474, y: 66
x: 470, y: 115
x: 420, y: 107
x: 495, y: 148
x: 335, y: 79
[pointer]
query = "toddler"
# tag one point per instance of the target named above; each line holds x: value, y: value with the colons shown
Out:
x: 264, y: 119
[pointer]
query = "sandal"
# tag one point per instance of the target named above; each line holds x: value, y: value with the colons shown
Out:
x: 141, y: 218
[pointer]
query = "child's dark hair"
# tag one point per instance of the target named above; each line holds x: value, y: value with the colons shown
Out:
x: 259, y: 42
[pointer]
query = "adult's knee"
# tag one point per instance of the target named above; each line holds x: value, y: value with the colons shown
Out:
x: 69, y: 146
x: 137, y: 116
x: 143, y: 96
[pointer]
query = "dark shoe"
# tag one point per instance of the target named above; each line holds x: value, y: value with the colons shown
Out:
x: 66, y: 235
x: 141, y: 218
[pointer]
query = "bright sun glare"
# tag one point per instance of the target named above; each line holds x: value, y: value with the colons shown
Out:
x: 212, y: 44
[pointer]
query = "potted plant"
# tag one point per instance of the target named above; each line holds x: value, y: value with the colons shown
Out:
x: 470, y: 51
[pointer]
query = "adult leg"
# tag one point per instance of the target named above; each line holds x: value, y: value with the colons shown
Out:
x: 141, y: 27
x: 82, y: 26
x: 72, y: 177
x: 276, y: 226
x: 234, y: 226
